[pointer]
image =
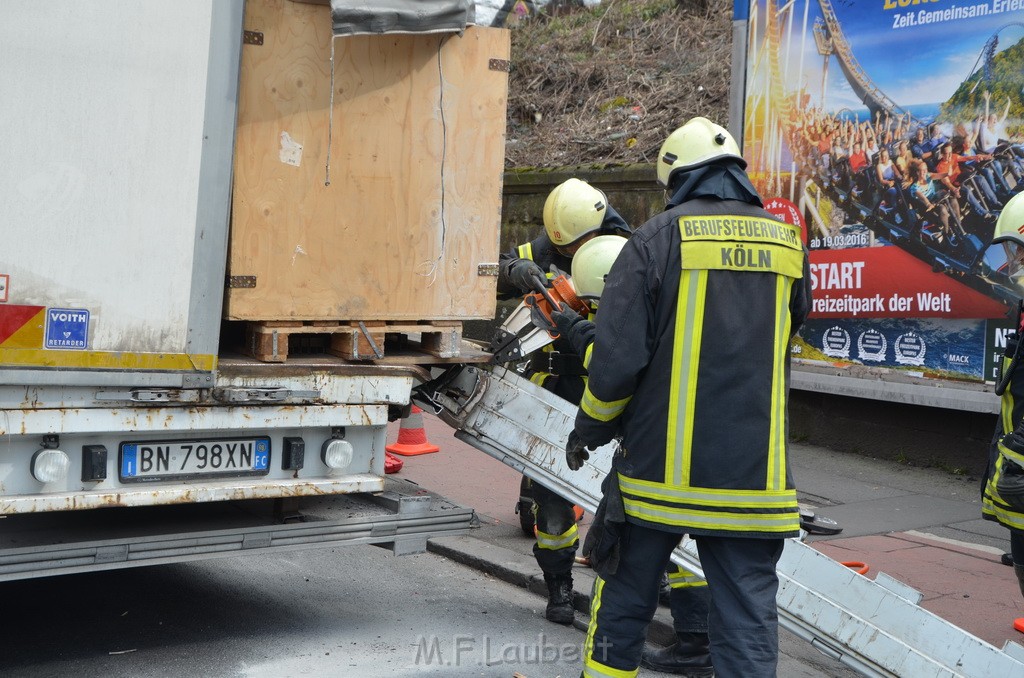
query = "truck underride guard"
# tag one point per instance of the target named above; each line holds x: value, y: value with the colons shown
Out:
x: 402, y: 518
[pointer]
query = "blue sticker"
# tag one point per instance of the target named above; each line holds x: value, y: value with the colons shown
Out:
x: 67, y: 328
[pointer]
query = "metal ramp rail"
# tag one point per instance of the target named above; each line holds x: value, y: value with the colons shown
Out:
x: 874, y: 627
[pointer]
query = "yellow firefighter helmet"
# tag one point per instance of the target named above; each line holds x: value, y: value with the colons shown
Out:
x: 573, y: 210
x: 592, y: 262
x: 696, y: 143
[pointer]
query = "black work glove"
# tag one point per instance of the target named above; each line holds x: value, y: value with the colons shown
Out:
x: 523, y: 274
x: 565, y: 318
x: 575, y: 452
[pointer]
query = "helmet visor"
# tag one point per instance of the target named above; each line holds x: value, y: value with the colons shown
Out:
x: 1006, y: 261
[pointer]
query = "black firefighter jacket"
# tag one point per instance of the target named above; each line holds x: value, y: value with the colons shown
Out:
x: 1004, y: 462
x: 543, y: 252
x: 690, y: 365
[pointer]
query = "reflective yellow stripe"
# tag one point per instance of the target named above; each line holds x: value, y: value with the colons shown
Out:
x: 731, y: 256
x: 683, y: 389
x: 1006, y: 403
x: 599, y: 409
x: 525, y: 251
x: 777, y: 432
x: 594, y: 669
x: 1015, y: 457
x: 688, y: 584
x: 683, y: 578
x: 1004, y: 514
x: 788, y: 521
x: 539, y: 378
x: 595, y: 605
x: 586, y: 356
x: 992, y: 504
x: 591, y: 667
x: 108, y: 360
x: 555, y: 542
x: 739, y: 499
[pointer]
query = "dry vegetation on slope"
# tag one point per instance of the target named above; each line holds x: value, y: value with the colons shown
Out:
x: 606, y: 85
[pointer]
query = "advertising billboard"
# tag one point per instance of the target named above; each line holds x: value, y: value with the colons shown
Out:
x: 890, y: 131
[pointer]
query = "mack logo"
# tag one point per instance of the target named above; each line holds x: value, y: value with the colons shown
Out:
x: 959, y: 359
x: 747, y: 258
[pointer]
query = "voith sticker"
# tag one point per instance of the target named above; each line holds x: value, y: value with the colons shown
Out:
x: 67, y: 328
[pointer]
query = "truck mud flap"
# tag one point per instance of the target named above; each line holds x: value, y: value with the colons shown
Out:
x: 873, y: 626
x: 401, y: 518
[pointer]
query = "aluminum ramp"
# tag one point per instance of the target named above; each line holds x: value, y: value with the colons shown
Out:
x: 874, y: 627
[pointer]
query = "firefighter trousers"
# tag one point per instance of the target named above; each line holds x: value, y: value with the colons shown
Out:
x: 689, y: 600
x: 743, y: 620
x: 557, y: 534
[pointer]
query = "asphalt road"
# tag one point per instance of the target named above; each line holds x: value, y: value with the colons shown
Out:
x: 360, y: 611
x: 357, y: 611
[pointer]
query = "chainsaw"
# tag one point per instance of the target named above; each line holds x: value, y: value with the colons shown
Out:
x: 530, y: 326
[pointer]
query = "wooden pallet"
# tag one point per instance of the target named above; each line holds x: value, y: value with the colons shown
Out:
x: 268, y: 340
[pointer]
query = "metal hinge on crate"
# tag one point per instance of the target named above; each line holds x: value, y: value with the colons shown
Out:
x: 241, y: 282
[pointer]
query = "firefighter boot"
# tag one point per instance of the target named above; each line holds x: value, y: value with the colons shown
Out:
x: 690, y: 656
x: 559, y: 609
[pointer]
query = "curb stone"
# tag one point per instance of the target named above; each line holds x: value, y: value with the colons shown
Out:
x: 521, y: 570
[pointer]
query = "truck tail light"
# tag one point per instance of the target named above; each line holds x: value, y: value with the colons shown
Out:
x: 50, y: 465
x: 337, y: 453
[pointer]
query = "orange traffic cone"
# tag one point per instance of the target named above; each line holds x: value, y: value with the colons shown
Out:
x: 412, y: 437
x: 392, y: 464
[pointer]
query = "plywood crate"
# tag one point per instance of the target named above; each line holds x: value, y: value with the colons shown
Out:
x: 407, y: 227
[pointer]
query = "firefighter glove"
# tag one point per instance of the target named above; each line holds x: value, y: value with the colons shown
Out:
x: 524, y: 274
x: 575, y: 452
x: 565, y: 318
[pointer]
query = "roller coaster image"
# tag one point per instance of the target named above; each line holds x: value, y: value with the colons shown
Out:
x: 953, y: 233
x: 960, y: 251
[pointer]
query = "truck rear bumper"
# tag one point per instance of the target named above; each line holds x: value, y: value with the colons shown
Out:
x: 234, y: 489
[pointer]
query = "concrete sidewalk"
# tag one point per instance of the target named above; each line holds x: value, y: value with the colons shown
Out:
x: 921, y: 526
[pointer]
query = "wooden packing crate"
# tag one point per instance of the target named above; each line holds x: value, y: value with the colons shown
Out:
x: 408, y: 227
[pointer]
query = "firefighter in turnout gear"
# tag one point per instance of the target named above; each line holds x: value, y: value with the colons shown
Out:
x: 689, y: 369
x: 1003, y: 485
x: 688, y: 597
x: 574, y: 213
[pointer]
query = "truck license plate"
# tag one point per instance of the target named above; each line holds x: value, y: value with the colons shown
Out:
x: 179, y: 459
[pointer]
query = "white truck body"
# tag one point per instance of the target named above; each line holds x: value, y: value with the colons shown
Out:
x: 118, y: 167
